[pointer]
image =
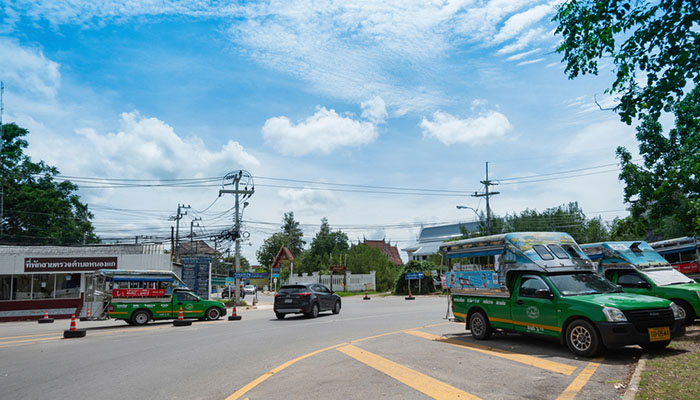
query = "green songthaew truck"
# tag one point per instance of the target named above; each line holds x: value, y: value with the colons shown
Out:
x: 637, y: 268
x: 541, y: 283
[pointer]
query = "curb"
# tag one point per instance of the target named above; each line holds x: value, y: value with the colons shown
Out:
x: 633, y: 386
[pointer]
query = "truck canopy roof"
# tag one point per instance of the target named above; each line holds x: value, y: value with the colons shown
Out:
x: 625, y: 253
x: 540, y: 251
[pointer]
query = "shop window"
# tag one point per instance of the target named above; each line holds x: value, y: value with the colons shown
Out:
x: 67, y: 286
x: 22, y: 287
x: 42, y: 287
x: 5, y: 287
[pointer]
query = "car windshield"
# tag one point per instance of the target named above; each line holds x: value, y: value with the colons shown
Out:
x: 667, y: 276
x: 582, y: 283
x: 294, y: 289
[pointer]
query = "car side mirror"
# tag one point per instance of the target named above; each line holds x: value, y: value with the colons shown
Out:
x: 543, y: 294
x: 644, y: 285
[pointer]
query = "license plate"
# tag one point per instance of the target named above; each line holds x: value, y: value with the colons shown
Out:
x: 287, y: 300
x: 659, y: 334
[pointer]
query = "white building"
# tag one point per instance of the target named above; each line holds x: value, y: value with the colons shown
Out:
x: 34, y: 279
x: 431, y: 237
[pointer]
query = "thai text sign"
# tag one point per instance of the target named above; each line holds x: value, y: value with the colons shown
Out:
x: 68, y: 264
x: 413, y: 275
x: 138, y: 293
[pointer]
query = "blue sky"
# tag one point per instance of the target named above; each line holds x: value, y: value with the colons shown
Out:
x: 374, y: 93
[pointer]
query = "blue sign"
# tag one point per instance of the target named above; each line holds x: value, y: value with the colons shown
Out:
x: 275, y: 275
x: 258, y: 275
x: 413, y: 275
x: 241, y: 275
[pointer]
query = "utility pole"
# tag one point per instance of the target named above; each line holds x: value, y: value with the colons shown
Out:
x: 487, y: 194
x: 177, y: 217
x: 235, y: 179
x: 192, y: 232
x: 2, y: 149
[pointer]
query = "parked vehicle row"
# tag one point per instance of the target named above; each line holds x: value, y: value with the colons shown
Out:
x: 542, y: 283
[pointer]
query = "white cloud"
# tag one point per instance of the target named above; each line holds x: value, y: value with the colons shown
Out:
x: 528, y: 62
x: 145, y: 147
x: 522, y: 55
x: 450, y: 130
x: 309, y: 201
x: 518, y: 22
x: 374, y: 110
x: 524, y: 40
x: 324, y: 132
x: 26, y: 70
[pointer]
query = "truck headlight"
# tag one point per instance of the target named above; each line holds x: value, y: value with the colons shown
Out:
x: 613, y: 314
x: 678, y: 313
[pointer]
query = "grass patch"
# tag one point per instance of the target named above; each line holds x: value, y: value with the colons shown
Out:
x: 673, y: 372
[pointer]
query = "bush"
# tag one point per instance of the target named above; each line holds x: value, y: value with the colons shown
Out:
x: 426, y: 285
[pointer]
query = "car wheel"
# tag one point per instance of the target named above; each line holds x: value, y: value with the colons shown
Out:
x: 655, y: 346
x: 336, y: 308
x: 314, y: 311
x: 213, y: 314
x: 280, y: 315
x: 140, y: 317
x: 583, y: 339
x: 688, y: 310
x: 479, y: 326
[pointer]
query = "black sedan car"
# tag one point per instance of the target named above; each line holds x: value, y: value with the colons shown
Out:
x: 307, y: 298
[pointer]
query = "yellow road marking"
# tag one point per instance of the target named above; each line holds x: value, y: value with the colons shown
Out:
x: 26, y: 336
x: 262, y: 378
x: 421, y: 382
x: 553, y: 366
x: 31, y: 340
x: 572, y: 390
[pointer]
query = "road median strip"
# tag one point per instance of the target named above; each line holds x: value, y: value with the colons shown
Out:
x: 409, y: 377
x: 553, y: 366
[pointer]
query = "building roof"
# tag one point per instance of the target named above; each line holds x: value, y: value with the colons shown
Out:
x: 283, y: 254
x: 198, y: 247
x: 391, y: 252
x: 431, y: 237
x: 92, y: 249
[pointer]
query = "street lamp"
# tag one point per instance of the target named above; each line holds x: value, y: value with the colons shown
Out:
x: 470, y: 208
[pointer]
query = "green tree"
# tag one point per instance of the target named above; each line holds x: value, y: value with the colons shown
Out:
x: 290, y: 237
x: 426, y: 284
x: 362, y: 259
x: 38, y: 209
x: 326, y: 249
x: 665, y: 189
x: 654, y: 47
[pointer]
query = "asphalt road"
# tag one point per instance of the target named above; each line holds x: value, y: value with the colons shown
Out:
x: 382, y: 348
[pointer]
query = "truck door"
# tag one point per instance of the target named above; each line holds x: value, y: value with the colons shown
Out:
x: 191, y: 305
x: 633, y: 282
x: 533, y: 312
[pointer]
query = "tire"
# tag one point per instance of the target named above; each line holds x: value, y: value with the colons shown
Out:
x: 479, y: 326
x: 583, y: 339
x: 280, y: 315
x: 688, y: 309
x: 213, y: 314
x: 140, y: 317
x: 336, y: 308
x: 314, y: 311
x: 656, y: 346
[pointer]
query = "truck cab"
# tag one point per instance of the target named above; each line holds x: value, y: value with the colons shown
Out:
x: 541, y: 283
x: 637, y: 268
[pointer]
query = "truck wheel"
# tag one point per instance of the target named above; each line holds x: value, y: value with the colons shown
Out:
x: 655, y: 346
x: 688, y: 309
x: 140, y: 317
x: 213, y: 314
x: 479, y: 326
x: 583, y: 339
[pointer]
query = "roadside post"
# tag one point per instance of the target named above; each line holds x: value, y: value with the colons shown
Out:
x: 334, y: 268
x: 409, y: 276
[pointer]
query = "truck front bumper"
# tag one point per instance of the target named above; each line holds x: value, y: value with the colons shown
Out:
x: 616, y: 334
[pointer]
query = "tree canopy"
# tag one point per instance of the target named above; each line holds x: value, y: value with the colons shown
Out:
x: 326, y: 249
x: 654, y: 46
x: 290, y: 236
x: 37, y: 209
x: 664, y: 192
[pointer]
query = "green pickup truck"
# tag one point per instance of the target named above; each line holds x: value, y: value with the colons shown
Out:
x: 541, y: 283
x: 138, y: 311
x: 637, y: 268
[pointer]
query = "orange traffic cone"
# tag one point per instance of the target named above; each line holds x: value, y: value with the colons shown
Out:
x: 46, y: 319
x: 73, y: 332
x: 410, y: 296
x: 87, y: 317
x: 366, y: 297
x: 234, y: 316
x: 181, y: 321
